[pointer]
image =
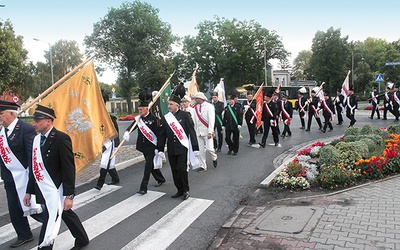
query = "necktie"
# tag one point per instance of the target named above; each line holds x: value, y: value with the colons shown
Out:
x: 42, y: 140
x: 6, y: 130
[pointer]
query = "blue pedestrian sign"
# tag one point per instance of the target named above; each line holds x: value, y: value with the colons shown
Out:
x: 380, y: 77
x: 392, y: 63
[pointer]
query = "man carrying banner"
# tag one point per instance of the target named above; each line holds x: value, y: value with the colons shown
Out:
x: 339, y: 105
x: 313, y: 109
x: 204, y: 123
x: 351, y: 106
x: 219, y: 109
x: 16, y: 137
x: 107, y: 165
x: 270, y: 117
x: 52, y: 179
x: 232, y: 121
x: 328, y: 112
x: 375, y: 103
x: 249, y: 107
x: 301, y: 106
x: 178, y: 132
x: 146, y: 141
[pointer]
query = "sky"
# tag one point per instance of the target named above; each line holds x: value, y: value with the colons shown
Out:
x: 295, y: 21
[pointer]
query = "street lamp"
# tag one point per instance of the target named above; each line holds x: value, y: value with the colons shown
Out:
x: 51, y: 60
x: 352, y: 66
x: 265, y: 63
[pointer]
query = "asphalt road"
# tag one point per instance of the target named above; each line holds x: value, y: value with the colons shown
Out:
x: 235, y: 179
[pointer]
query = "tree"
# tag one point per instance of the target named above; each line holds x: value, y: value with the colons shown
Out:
x: 12, y: 59
x: 330, y: 59
x: 284, y: 64
x: 231, y: 49
x: 131, y: 39
x: 301, y: 65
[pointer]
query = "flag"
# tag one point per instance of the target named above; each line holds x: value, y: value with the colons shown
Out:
x: 193, y: 86
x: 81, y: 113
x: 259, y: 106
x: 345, y: 87
x: 164, y: 97
x: 220, y: 89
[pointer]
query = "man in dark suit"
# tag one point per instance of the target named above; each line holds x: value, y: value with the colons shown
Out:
x: 219, y: 108
x: 270, y: 117
x: 351, y: 107
x: 313, y: 109
x: 374, y: 99
x: 339, y: 105
x: 16, y: 139
x: 147, y: 142
x: 286, y: 111
x: 52, y: 179
x: 249, y: 107
x: 233, y: 118
x: 301, y: 106
x: 178, y: 132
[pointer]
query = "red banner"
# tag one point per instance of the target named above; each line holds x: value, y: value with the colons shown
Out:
x: 259, y: 106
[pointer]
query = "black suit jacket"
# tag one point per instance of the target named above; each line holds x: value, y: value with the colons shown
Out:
x: 20, y: 142
x: 58, y: 158
x: 173, y: 144
x: 288, y: 107
x: 143, y: 144
x: 219, y: 108
x: 228, y: 121
x: 266, y: 117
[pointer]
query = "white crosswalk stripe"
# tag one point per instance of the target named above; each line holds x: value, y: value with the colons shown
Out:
x: 165, y: 231
x: 160, y: 235
x: 7, y: 232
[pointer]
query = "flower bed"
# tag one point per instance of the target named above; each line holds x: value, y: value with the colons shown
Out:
x: 127, y: 118
x: 358, y: 156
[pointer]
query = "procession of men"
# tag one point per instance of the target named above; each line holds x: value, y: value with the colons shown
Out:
x: 194, y: 128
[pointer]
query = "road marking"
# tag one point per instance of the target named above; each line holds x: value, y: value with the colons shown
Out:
x: 105, y: 220
x: 7, y: 232
x: 166, y: 230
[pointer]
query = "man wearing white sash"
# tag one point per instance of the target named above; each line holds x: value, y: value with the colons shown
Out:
x: 146, y: 141
x: 52, y: 179
x: 16, y: 138
x: 204, y: 122
x: 178, y: 132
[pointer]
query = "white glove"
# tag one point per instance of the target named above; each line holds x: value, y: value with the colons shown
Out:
x: 239, y: 126
x: 223, y: 127
x: 161, y: 155
x: 126, y: 136
x: 196, y: 153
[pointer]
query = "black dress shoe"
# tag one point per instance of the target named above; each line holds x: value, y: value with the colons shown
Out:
x: 159, y: 183
x: 283, y: 136
x: 290, y: 134
x: 229, y: 152
x: 97, y: 187
x: 178, y: 194
x: 215, y: 163
x: 302, y: 127
x: 113, y: 183
x: 384, y: 119
x: 218, y: 150
x: 261, y: 145
x: 19, y: 243
x: 307, y: 129
x: 79, y: 247
x: 142, y: 192
x: 234, y: 153
x: 186, y: 195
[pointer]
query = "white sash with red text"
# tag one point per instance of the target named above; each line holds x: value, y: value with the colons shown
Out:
x: 54, y: 197
x: 200, y: 117
x: 176, y: 127
x: 147, y: 132
x: 285, y: 113
x: 19, y: 174
x: 328, y: 109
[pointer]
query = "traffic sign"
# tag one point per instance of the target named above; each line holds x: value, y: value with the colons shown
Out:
x: 392, y: 63
x: 380, y: 77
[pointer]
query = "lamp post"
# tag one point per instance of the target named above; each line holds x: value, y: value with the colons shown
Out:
x: 352, y: 66
x: 51, y: 60
x: 265, y: 63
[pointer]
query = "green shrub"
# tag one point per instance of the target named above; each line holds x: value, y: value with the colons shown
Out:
x: 329, y: 155
x: 394, y: 129
x: 378, y: 141
x: 350, y: 138
x: 352, y: 131
x: 348, y: 153
x: 372, y: 146
x: 334, y: 142
x: 362, y: 148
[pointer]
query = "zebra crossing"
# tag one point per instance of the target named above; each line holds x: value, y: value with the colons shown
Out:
x: 159, y: 235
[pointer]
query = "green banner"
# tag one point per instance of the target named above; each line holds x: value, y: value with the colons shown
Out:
x: 164, y: 97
